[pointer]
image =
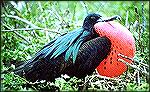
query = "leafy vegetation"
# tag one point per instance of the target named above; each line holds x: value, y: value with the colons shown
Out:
x: 27, y: 26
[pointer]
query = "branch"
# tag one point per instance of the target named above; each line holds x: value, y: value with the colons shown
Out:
x: 126, y: 57
x: 17, y: 33
x: 28, y: 29
x: 21, y: 36
x: 126, y: 22
x: 133, y: 66
x: 85, y: 6
x: 143, y: 20
x: 23, y: 20
x: 55, y: 12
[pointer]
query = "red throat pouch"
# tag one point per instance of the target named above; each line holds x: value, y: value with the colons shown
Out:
x: 122, y: 41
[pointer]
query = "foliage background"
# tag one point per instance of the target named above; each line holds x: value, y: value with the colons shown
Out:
x: 27, y: 26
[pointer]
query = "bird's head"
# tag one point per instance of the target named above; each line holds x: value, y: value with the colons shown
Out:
x: 91, y: 20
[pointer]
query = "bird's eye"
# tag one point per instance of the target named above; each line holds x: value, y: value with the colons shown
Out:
x: 92, y: 17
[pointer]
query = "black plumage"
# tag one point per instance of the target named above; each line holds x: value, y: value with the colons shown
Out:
x: 89, y: 57
x: 77, y: 53
x: 90, y: 54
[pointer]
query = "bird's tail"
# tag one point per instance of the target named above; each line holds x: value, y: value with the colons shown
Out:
x: 18, y: 64
x: 19, y: 70
x: 24, y: 67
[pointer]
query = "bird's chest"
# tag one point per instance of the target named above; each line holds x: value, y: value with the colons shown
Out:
x: 122, y: 43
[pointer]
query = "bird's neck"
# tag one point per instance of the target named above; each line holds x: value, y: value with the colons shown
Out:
x: 88, y: 26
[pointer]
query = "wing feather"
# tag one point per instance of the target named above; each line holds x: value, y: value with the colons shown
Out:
x: 69, y: 43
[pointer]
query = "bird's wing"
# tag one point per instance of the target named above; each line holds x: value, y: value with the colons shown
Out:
x: 90, y: 54
x: 69, y: 43
x: 74, y: 48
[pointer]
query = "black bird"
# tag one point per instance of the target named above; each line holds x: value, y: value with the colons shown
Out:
x: 77, y: 53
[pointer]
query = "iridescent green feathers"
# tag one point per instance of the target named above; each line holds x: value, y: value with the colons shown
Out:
x: 70, y: 43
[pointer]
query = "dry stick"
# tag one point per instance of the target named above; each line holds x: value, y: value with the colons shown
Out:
x: 57, y: 16
x: 126, y: 23
x: 17, y: 33
x: 23, y: 20
x: 133, y: 66
x: 107, y: 78
x: 21, y: 36
x: 74, y: 10
x: 142, y: 64
x: 125, y: 57
x: 28, y: 29
x: 103, y: 77
x: 85, y: 6
x: 133, y: 60
x: 143, y: 25
x: 143, y: 19
x: 138, y: 29
x: 138, y: 78
x: 86, y: 81
x: 27, y: 22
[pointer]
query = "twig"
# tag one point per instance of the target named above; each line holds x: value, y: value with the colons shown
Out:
x: 99, y: 76
x: 21, y: 36
x: 125, y: 56
x: 138, y: 78
x: 85, y: 6
x: 23, y: 20
x: 138, y: 29
x: 57, y: 16
x: 88, y: 79
x: 143, y: 19
x: 27, y: 7
x: 132, y: 60
x: 4, y: 7
x: 133, y: 66
x: 40, y: 6
x: 74, y: 10
x: 28, y: 29
x: 142, y: 63
x: 34, y: 26
x: 126, y: 23
x: 17, y: 33
x: 104, y: 77
x: 107, y: 78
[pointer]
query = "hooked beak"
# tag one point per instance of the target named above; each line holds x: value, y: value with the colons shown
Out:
x: 99, y: 20
x: 116, y: 17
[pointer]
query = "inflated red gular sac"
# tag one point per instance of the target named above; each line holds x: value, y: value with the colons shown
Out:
x: 122, y: 42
